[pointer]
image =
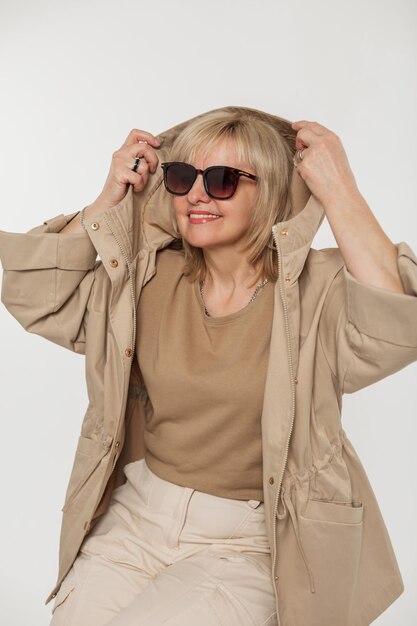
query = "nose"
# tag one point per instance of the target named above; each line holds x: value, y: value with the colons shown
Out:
x: 197, y: 192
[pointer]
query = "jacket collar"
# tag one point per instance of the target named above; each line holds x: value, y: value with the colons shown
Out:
x: 295, y: 235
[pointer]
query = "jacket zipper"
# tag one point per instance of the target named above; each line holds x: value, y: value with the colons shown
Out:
x: 281, y: 288
x: 131, y: 284
x: 132, y: 295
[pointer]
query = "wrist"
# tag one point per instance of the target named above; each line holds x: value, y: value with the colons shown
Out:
x: 346, y: 199
x: 96, y: 207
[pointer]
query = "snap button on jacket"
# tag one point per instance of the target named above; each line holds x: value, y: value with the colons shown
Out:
x: 332, y: 558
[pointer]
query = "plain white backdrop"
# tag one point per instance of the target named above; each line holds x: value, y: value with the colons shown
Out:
x: 75, y: 78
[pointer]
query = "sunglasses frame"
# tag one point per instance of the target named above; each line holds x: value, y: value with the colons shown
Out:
x: 237, y: 173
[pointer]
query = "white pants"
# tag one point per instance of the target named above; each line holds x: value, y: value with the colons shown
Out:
x: 166, y: 554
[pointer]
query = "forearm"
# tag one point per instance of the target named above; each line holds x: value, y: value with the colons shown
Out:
x: 368, y: 253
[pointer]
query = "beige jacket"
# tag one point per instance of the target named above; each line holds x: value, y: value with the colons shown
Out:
x: 332, y: 559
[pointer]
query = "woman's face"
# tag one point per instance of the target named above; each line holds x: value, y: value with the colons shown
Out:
x: 231, y: 225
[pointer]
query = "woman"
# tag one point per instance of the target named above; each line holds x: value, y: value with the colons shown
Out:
x: 258, y: 511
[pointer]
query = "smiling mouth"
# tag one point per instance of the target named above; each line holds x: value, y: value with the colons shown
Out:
x: 203, y: 216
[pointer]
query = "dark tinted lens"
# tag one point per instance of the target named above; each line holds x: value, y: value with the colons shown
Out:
x: 221, y: 182
x: 180, y: 177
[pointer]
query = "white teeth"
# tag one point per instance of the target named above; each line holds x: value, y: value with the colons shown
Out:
x: 200, y: 215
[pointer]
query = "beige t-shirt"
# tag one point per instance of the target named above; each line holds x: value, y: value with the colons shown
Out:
x: 205, y: 378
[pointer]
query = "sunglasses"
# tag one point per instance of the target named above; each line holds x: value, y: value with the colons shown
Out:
x: 220, y: 181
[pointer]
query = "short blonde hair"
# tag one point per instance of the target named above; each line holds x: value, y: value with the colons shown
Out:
x: 261, y: 147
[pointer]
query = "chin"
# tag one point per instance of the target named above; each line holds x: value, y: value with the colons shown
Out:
x: 198, y: 240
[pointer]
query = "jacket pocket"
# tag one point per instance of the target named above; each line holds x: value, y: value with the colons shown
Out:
x: 333, y: 511
x: 88, y: 456
x: 331, y: 535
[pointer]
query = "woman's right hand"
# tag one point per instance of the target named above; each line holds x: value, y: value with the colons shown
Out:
x: 139, y: 143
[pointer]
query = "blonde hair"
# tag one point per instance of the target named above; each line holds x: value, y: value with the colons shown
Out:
x: 261, y: 147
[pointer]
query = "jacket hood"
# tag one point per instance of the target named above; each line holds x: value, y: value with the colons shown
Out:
x: 151, y: 219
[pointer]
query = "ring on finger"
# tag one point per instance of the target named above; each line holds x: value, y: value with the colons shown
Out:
x: 136, y: 165
x: 298, y: 156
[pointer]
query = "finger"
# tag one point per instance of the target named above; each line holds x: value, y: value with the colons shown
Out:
x: 143, y: 166
x: 136, y: 135
x: 141, y: 181
x: 299, y: 145
x: 146, y: 152
x: 307, y: 137
x: 138, y: 179
x: 126, y: 156
x: 319, y: 129
x: 303, y: 139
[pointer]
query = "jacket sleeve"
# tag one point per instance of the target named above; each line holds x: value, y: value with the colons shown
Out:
x: 47, y: 280
x: 369, y: 332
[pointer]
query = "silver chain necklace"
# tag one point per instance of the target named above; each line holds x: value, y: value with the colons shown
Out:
x: 255, y: 293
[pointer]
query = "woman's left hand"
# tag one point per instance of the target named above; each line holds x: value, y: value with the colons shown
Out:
x: 324, y: 166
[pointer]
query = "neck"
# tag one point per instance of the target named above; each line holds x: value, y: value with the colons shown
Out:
x: 229, y: 271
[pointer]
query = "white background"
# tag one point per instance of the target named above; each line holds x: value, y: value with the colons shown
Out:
x: 75, y: 78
